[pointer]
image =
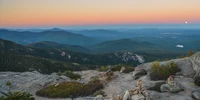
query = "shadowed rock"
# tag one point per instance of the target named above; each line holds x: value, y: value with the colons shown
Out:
x: 138, y: 73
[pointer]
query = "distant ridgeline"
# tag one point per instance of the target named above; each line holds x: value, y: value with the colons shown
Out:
x: 15, y: 57
x: 57, y: 50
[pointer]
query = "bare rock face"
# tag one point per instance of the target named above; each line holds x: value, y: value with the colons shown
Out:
x: 196, y: 94
x: 152, y: 85
x: 29, y: 81
x: 195, y: 60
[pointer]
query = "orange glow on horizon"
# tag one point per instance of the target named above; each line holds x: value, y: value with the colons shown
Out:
x: 62, y: 12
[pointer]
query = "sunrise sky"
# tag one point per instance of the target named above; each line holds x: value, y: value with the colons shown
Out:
x: 42, y: 13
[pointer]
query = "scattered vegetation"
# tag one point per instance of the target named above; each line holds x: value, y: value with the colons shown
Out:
x: 100, y: 92
x: 22, y: 63
x: 18, y: 96
x: 59, y: 73
x: 162, y: 72
x: 8, y: 84
x: 71, y: 75
x: 116, y: 68
x: 15, y: 95
x: 189, y: 53
x: 70, y: 89
x: 102, y: 68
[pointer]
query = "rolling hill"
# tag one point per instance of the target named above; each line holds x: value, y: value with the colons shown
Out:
x: 54, y: 45
x: 122, y: 45
x: 15, y: 57
x: 54, y: 35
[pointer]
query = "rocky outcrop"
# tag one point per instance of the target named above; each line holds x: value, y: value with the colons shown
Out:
x: 105, y: 77
x: 152, y: 85
x: 189, y: 66
x: 29, y: 81
x: 195, y: 60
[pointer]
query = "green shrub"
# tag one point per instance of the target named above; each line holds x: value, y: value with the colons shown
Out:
x: 59, y: 73
x: 70, y: 89
x: 158, y: 72
x: 119, y: 66
x: 18, y: 96
x: 92, y: 87
x: 103, y: 68
x: 72, y: 75
x: 8, y: 84
x: 190, y: 53
x: 116, y: 68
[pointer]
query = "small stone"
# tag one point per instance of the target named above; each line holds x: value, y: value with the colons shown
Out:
x: 138, y: 97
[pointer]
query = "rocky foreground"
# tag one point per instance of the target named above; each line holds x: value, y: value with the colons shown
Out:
x: 123, y: 86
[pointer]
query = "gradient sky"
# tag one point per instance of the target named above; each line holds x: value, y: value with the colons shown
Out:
x: 33, y: 13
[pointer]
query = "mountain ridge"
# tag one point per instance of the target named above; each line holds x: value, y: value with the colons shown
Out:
x: 60, y: 36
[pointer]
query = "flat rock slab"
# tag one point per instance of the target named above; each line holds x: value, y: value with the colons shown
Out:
x: 29, y: 81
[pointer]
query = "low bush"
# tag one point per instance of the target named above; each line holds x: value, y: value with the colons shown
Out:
x: 18, y: 96
x: 116, y: 68
x: 102, y: 68
x: 158, y: 72
x: 72, y: 75
x: 70, y: 89
x: 59, y: 73
x: 92, y: 87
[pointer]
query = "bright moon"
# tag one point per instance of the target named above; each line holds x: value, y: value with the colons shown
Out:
x: 186, y: 22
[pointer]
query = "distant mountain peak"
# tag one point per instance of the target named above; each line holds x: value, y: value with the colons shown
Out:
x: 56, y: 29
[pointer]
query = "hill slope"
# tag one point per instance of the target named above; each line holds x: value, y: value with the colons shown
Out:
x: 55, y: 35
x: 8, y: 47
x: 122, y: 45
x: 33, y: 81
x: 54, y: 45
